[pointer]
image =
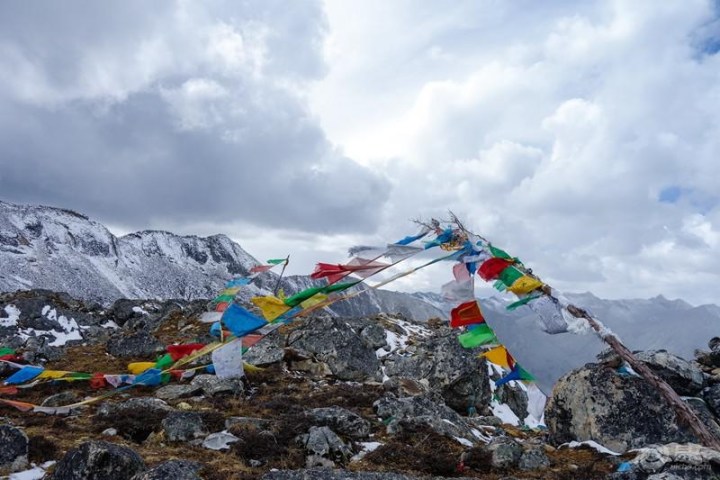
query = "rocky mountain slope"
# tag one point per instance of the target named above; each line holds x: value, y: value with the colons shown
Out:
x: 378, y: 397
x: 61, y: 250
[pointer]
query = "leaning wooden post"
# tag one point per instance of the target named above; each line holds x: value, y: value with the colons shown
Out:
x: 686, y: 416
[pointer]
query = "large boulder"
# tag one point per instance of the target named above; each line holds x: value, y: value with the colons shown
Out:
x: 172, y: 469
x: 97, y: 460
x: 683, y: 376
x: 427, y: 410
x: 446, y: 367
x: 337, y: 343
x: 184, y: 426
x: 620, y: 412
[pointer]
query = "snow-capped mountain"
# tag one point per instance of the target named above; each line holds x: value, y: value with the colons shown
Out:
x: 61, y: 250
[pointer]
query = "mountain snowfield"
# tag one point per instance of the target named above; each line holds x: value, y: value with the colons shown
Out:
x: 61, y: 250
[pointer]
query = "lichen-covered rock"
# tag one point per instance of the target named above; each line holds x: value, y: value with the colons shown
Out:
x: 337, y: 343
x: 620, y: 412
x: 212, y: 385
x: 448, y: 368
x: 172, y: 470
x: 505, y: 452
x: 184, y: 426
x: 711, y: 395
x: 533, y: 458
x: 324, y: 442
x: 340, y: 420
x: 97, y: 460
x: 683, y: 376
x: 426, y: 410
x: 135, y: 345
x: 267, y: 351
x: 13, y: 449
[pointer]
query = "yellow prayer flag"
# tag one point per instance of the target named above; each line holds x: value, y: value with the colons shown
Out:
x: 230, y: 291
x: 136, y: 368
x: 524, y: 284
x: 271, y: 307
x: 52, y: 374
x: 314, y: 300
x: 498, y: 356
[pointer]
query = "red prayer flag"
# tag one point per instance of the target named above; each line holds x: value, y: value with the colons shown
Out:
x: 491, y: 268
x: 465, y: 314
x: 335, y: 272
x: 222, y: 306
x: 10, y: 390
x: 97, y: 381
x: 261, y: 268
x: 250, y: 340
x: 179, y: 351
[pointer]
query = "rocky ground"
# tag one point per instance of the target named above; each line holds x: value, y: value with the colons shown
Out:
x: 362, y: 398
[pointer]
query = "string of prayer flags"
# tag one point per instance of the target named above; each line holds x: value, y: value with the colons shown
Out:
x: 238, y: 282
x: 177, y: 352
x: 509, y: 276
x: 444, y: 237
x: 523, y: 301
x: 397, y: 253
x: 465, y: 314
x: 476, y: 336
x: 136, y: 368
x: 277, y: 261
x: 270, y: 264
x: 308, y: 293
x: 334, y: 272
x: 240, y: 321
x: 52, y: 374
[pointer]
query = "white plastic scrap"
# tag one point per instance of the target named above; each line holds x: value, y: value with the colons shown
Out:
x: 219, y: 440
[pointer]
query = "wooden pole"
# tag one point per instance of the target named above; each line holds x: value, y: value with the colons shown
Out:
x: 686, y: 416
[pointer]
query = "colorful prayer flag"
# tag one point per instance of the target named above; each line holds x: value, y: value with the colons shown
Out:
x: 477, y: 336
x: 491, y: 268
x: 525, y: 284
x: 465, y: 314
x: 241, y: 322
x: 270, y: 306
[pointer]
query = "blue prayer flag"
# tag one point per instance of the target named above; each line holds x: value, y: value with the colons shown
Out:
x: 241, y: 322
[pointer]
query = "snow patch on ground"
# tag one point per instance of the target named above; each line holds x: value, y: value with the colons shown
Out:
x: 110, y: 324
x: 591, y: 444
x: 140, y: 310
x: 35, y: 473
x: 464, y: 441
x: 13, y: 316
x: 365, y: 448
x: 68, y: 329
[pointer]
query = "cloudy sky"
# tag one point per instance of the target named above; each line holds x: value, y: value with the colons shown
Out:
x: 583, y: 137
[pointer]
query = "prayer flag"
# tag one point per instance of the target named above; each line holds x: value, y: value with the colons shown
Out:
x: 238, y: 282
x: 550, y: 315
x: 477, y: 336
x: 270, y: 306
x: 455, y: 291
x: 227, y: 360
x: 509, y: 276
x: 499, y: 356
x: 25, y: 374
x: 465, y: 314
x: 137, y: 368
x: 241, y: 322
x: 179, y: 351
x: 412, y: 238
x: 491, y: 268
x: 523, y: 301
x: 524, y: 284
x: 277, y: 261
x: 261, y: 268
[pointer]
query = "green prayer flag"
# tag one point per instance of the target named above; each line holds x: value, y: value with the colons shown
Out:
x: 525, y: 375
x: 499, y: 286
x: 496, y: 252
x: 339, y: 287
x: 6, y: 351
x: 164, y: 362
x: 523, y: 301
x: 509, y: 275
x: 224, y: 298
x: 300, y: 297
x: 276, y: 261
x: 79, y: 376
x: 477, y: 336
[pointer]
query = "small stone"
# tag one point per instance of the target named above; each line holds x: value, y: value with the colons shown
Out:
x: 184, y: 426
x: 505, y: 452
x: 533, y: 458
x: 184, y: 406
x: 175, y: 391
x: 212, y: 385
x: 340, y: 420
x: 60, y: 399
x: 109, y: 432
x: 219, y: 440
x: 323, y: 442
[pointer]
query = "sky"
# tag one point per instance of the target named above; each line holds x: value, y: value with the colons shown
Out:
x: 583, y: 137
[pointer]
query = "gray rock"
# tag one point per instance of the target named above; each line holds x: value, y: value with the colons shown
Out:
x: 683, y: 376
x: 324, y: 442
x: 337, y: 343
x: 340, y: 420
x: 60, y: 399
x: 135, y: 345
x: 423, y: 410
x: 148, y: 405
x: 175, y: 391
x: 405, y: 387
x: 711, y: 395
x: 619, y: 412
x: 664, y: 476
x: 533, y: 458
x: 515, y: 398
x: 258, y: 423
x: 455, y: 372
x: 706, y: 416
x: 212, y: 385
x: 122, y: 310
x: 97, y: 460
x: 184, y: 426
x: 505, y: 452
x: 374, y: 336
x: 172, y: 469
x: 267, y: 351
x: 13, y: 449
